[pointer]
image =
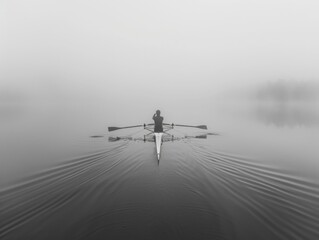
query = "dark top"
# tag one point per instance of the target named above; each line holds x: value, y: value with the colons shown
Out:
x: 158, y: 120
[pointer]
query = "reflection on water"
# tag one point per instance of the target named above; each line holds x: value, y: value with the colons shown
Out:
x: 195, y: 192
x: 288, y: 103
x: 287, y: 114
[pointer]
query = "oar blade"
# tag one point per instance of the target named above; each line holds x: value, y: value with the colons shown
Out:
x: 113, y: 128
x: 204, y: 136
x: 199, y: 126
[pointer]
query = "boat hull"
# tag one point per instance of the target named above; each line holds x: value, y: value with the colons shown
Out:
x: 158, y: 141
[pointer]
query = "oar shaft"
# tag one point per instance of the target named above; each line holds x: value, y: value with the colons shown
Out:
x: 118, y: 128
x: 151, y: 124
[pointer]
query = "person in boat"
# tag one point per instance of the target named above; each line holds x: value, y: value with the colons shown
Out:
x: 158, y: 121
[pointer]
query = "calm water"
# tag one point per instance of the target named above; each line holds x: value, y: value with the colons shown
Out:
x: 251, y: 181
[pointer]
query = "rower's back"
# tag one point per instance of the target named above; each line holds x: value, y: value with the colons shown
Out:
x: 158, y: 121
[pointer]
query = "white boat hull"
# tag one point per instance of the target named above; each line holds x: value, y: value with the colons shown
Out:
x: 158, y: 141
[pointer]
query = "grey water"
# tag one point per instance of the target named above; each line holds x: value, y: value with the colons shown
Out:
x: 253, y: 177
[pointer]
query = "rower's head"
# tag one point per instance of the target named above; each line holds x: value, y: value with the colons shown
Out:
x: 158, y: 112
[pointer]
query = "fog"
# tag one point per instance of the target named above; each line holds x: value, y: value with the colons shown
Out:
x: 116, y: 62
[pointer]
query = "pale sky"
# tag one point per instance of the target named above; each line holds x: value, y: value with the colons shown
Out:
x: 132, y: 57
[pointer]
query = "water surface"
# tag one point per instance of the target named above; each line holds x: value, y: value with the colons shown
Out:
x: 260, y: 183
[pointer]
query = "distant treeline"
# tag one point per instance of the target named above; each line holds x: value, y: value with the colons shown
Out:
x: 286, y: 90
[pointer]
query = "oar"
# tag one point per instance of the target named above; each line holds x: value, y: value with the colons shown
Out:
x: 118, y: 128
x: 199, y: 126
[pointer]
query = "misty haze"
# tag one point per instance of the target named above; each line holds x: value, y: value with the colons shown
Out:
x: 232, y: 152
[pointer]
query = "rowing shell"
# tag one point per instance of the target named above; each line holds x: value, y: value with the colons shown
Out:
x: 158, y: 141
x: 158, y: 136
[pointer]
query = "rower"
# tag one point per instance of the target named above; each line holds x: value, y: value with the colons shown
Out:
x: 158, y: 122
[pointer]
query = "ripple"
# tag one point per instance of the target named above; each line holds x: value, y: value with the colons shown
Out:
x: 49, y: 190
x: 195, y: 192
x: 285, y: 204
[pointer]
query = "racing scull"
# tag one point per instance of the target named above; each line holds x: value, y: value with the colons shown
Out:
x: 158, y: 136
x: 158, y: 142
